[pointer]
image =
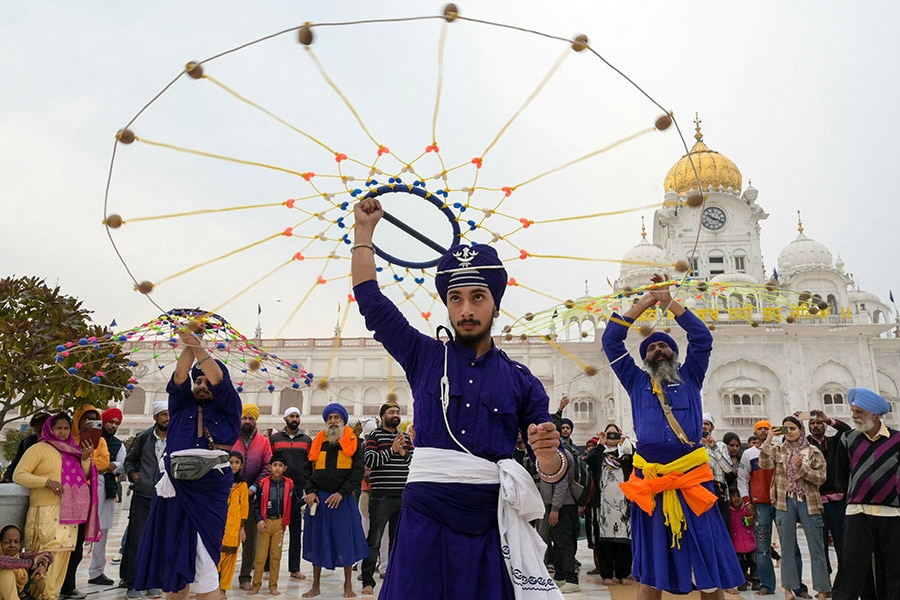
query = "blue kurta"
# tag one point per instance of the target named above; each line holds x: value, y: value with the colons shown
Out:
x: 492, y: 398
x: 706, y: 553
x: 168, y: 549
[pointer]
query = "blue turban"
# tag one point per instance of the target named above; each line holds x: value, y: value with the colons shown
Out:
x: 868, y: 401
x: 334, y: 407
x: 657, y: 336
x: 198, y: 372
x: 569, y: 423
x: 465, y: 266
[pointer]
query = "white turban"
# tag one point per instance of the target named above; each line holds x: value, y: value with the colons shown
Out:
x: 292, y: 411
x: 160, y: 406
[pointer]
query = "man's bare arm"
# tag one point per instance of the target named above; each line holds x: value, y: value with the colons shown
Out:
x: 193, y: 346
x: 658, y: 295
x: 366, y: 215
x: 183, y: 366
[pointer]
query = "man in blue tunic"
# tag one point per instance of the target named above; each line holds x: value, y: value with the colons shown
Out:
x: 463, y: 530
x: 679, y: 538
x: 180, y: 546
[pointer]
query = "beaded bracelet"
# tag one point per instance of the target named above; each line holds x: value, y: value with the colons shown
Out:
x: 369, y: 246
x: 553, y: 478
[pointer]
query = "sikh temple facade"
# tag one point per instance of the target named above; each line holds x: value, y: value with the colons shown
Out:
x: 772, y: 354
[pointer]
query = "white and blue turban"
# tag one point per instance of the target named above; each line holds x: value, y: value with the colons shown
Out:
x: 465, y: 266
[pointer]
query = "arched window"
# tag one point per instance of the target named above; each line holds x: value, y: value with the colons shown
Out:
x: 834, y: 398
x: 584, y: 410
x: 372, y: 401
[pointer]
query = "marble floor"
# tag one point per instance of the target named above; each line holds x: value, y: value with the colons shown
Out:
x: 332, y: 581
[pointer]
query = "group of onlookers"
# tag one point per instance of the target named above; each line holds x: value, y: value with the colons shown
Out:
x: 832, y: 487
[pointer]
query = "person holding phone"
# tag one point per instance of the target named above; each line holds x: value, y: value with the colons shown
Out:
x: 611, y: 464
x: 56, y: 509
x: 833, y: 503
x: 799, y: 471
x: 87, y: 427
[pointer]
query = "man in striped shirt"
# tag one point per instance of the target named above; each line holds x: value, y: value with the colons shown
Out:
x: 388, y: 454
x: 868, y: 468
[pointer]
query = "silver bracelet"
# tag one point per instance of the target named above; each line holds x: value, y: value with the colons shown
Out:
x: 369, y: 246
x: 555, y: 476
x: 204, y: 359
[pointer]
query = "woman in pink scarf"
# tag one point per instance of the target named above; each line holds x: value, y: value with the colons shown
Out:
x: 63, y: 483
x: 799, y: 471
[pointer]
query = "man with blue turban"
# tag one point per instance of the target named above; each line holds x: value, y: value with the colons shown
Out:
x: 467, y: 503
x: 180, y: 545
x: 333, y: 535
x: 868, y: 469
x: 679, y: 538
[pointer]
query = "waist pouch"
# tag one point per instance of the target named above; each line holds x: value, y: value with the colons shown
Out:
x: 191, y: 468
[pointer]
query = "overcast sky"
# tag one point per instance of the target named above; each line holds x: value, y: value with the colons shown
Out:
x: 801, y: 96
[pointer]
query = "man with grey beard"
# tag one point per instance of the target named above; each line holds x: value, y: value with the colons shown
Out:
x: 673, y: 537
x: 332, y: 534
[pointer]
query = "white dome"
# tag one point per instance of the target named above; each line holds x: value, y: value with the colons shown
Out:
x: 804, y: 253
x: 739, y: 278
x: 857, y: 296
x: 644, y: 256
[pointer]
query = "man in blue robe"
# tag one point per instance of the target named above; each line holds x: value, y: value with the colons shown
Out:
x: 471, y: 401
x: 180, y: 546
x: 695, y: 548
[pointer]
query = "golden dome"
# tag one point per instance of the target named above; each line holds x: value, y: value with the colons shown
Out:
x: 713, y: 168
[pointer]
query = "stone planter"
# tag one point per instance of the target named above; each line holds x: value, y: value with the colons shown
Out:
x: 13, y: 504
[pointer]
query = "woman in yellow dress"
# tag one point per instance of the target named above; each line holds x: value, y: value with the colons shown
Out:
x: 63, y: 482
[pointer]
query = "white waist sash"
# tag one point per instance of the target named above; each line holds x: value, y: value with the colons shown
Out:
x: 519, y: 502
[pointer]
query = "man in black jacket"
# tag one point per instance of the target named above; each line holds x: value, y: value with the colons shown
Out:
x: 293, y: 445
x: 833, y: 502
x: 142, y: 471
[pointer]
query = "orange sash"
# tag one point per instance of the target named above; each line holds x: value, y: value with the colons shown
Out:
x: 685, y: 474
x: 643, y: 491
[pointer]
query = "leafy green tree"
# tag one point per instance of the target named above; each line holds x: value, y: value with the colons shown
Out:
x: 10, y: 444
x: 35, y: 320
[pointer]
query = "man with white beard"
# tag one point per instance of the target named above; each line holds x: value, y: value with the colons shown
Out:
x: 333, y: 535
x: 868, y: 469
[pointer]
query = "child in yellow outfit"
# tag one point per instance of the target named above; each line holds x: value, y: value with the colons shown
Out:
x: 272, y: 513
x: 238, y: 512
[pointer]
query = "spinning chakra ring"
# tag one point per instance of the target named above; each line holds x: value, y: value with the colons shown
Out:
x: 438, y: 203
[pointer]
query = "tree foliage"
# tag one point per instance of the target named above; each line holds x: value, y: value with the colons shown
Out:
x: 34, y: 320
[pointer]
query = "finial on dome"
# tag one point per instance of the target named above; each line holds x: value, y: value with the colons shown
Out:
x: 586, y: 292
x: 799, y: 223
x: 698, y: 135
x: 643, y: 229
